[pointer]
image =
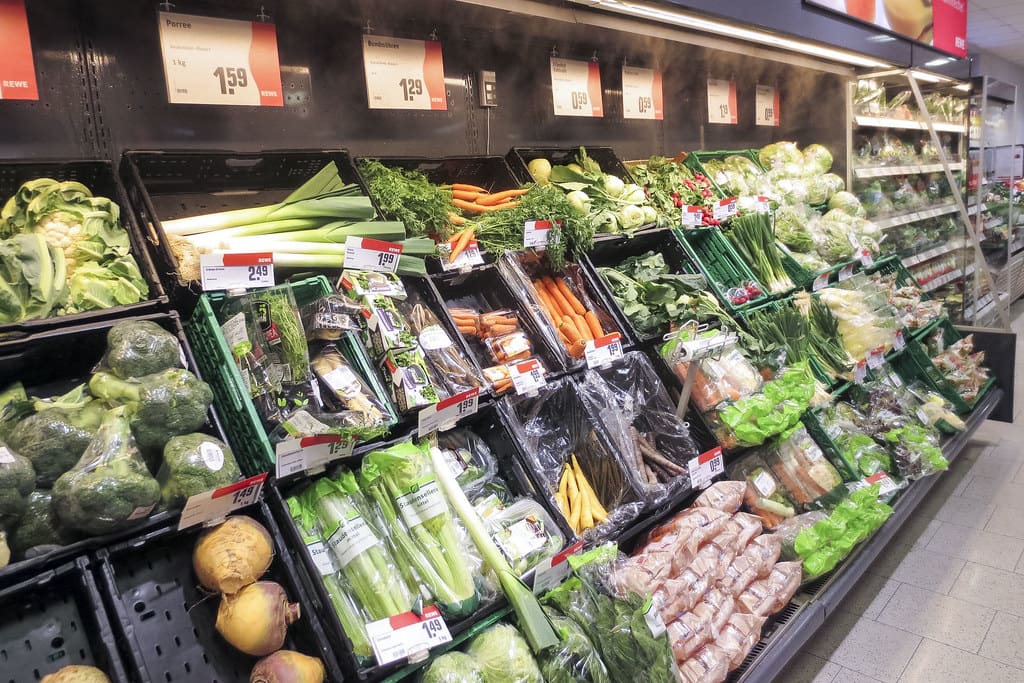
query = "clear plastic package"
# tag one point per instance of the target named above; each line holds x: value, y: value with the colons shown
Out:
x: 346, y: 388
x: 765, y: 495
x: 709, y: 664
x: 194, y: 463
x: 726, y: 496
x: 450, y: 370
x: 739, y: 636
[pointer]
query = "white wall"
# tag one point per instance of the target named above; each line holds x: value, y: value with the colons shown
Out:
x: 991, y: 65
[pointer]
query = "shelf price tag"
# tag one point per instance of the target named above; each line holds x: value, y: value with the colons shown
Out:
x: 886, y: 484
x: 527, y: 376
x: 220, y: 61
x: 17, y: 68
x: 762, y: 204
x: 766, y: 105
x: 212, y: 506
x: 846, y: 272
x: 576, y: 88
x: 866, y: 259
x: 444, y: 414
x: 722, y: 101
x: 692, y: 216
x: 406, y: 634
x: 860, y: 372
x: 899, y: 343
x: 550, y: 573
x: 876, y: 358
x: 236, y: 271
x: 642, y: 94
x: 820, y: 282
x: 467, y: 258
x: 310, y: 452
x: 603, y: 350
x: 725, y: 208
x: 705, y: 467
x: 363, y: 253
x: 403, y: 74
x: 536, y: 234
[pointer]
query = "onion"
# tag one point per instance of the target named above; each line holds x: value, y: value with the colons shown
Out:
x: 233, y: 555
x: 287, y: 666
x: 255, y: 619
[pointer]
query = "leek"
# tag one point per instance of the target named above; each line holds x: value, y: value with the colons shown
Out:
x: 533, y: 622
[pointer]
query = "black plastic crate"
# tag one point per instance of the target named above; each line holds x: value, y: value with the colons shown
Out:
x: 51, y: 363
x: 56, y: 619
x: 489, y: 172
x: 165, y: 621
x: 175, y: 184
x: 519, y: 159
x: 100, y: 178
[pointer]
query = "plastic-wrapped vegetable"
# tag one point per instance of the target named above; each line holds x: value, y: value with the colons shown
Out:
x: 916, y: 451
x: 453, y: 667
x: 726, y: 496
x: 504, y: 656
x: 575, y: 658
x: 797, y: 461
x: 17, y: 481
x: 345, y: 385
x: 765, y: 496
x: 450, y: 371
x: 469, y: 459
x: 525, y: 534
x: 195, y: 463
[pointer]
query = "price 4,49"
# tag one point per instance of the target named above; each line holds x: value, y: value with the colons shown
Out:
x: 230, y: 78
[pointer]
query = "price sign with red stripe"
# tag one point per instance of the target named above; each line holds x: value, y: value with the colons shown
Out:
x: 642, y: 94
x: 406, y: 634
x: 527, y: 376
x: 402, y: 73
x: 552, y: 571
x: 446, y: 413
x: 310, y: 452
x: 212, y: 506
x: 363, y: 253
x: 722, y: 101
x: 236, y: 271
x: 576, y: 88
x: 706, y: 467
x: 220, y: 61
x: 603, y: 350
x: 17, y: 68
x: 537, y: 234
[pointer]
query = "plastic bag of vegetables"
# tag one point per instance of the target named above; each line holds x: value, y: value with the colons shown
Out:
x: 194, y: 463
x: 525, y: 534
x: 791, y: 227
x: 575, y: 659
x: 504, y: 656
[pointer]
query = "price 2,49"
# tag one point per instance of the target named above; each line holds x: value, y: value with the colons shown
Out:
x: 230, y: 78
x: 257, y: 273
x: 411, y: 87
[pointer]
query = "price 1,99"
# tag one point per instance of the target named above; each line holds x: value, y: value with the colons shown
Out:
x: 231, y: 77
x: 386, y: 259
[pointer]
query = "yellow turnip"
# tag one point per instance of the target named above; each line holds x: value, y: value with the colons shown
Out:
x: 232, y: 555
x: 255, y: 619
x: 287, y: 666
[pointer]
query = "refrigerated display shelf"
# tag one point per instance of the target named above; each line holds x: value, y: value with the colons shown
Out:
x: 942, y: 280
x: 908, y: 169
x: 917, y: 259
x: 908, y: 124
x: 915, y: 216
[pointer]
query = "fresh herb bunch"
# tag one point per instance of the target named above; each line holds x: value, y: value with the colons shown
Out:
x: 670, y: 185
x: 782, y: 328
x: 501, y: 231
x: 825, y: 340
x: 409, y: 197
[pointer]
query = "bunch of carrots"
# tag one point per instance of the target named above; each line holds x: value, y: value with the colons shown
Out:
x: 472, y: 199
x: 577, y: 500
x: 575, y: 324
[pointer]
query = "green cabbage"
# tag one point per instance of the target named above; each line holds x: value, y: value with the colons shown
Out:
x: 453, y: 667
x: 848, y: 203
x: 504, y: 656
x: 818, y: 157
x: 779, y: 153
x: 818, y: 190
x: 791, y: 228
x: 835, y: 183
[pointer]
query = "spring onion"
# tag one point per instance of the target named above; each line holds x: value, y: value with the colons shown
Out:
x: 752, y: 236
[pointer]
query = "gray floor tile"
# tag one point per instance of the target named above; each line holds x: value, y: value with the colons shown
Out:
x: 917, y: 531
x: 1006, y: 521
x: 923, y: 568
x: 970, y: 512
x: 991, y: 587
x: 1005, y: 640
x: 990, y: 489
x: 982, y: 547
x: 849, y: 676
x: 865, y: 646
x: 938, y: 617
x: 869, y: 596
x: 937, y: 663
x: 996, y: 465
x: 808, y: 668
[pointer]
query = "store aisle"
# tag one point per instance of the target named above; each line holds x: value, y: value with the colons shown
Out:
x: 944, y: 603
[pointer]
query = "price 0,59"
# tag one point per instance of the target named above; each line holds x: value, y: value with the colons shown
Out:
x: 644, y: 104
x: 411, y: 87
x: 231, y: 78
x: 579, y: 99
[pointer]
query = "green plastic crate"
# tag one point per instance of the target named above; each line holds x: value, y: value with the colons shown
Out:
x: 695, y: 161
x: 241, y: 423
x: 720, y: 264
x: 800, y: 276
x: 812, y: 421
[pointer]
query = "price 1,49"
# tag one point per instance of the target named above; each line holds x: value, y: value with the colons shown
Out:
x: 411, y: 87
x: 769, y: 113
x: 230, y: 78
x: 723, y: 109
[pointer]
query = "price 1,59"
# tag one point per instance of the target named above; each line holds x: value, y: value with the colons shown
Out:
x: 411, y: 87
x: 230, y: 78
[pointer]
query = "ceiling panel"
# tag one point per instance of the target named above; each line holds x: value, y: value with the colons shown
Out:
x: 997, y: 26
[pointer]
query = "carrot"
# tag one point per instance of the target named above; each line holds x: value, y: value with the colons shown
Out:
x: 467, y: 195
x: 568, y: 328
x: 556, y: 296
x: 578, y: 349
x: 581, y: 325
x: 499, y: 330
x: 455, y: 219
x: 480, y: 208
x: 463, y: 187
x: 594, y: 323
x: 545, y: 301
x: 460, y: 246
x: 500, y: 197
x: 492, y: 319
x: 577, y: 307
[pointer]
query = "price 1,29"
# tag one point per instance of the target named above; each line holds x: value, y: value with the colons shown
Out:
x: 230, y: 78
x: 769, y: 113
x: 579, y: 99
x: 411, y: 87
x: 644, y: 104
x: 723, y: 109
x: 257, y: 273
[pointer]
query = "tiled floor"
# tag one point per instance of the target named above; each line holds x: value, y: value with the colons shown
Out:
x: 944, y: 603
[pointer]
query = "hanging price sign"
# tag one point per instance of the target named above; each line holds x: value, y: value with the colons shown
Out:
x: 363, y: 253
x: 766, y: 106
x: 885, y: 482
x: 722, y: 101
x: 692, y: 216
x: 603, y: 350
x: 899, y: 343
x: 876, y: 358
x: 642, y: 94
x: 310, y: 452
x: 576, y: 88
x: 860, y: 372
x: 236, y: 271
x: 446, y: 413
x: 527, y: 376
x: 215, y: 505
x: 820, y: 282
x: 17, y: 68
x: 403, y: 73
x: 220, y: 61
x: 846, y: 272
x: 405, y: 634
x: 866, y: 259
x: 705, y: 467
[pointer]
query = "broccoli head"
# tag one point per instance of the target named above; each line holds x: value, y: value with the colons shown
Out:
x: 52, y: 440
x: 194, y: 463
x: 110, y: 487
x: 165, y: 404
x: 17, y: 480
x: 40, y: 527
x: 141, y: 347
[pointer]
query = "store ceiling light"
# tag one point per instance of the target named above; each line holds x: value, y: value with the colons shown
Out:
x: 929, y: 77
x: 692, y: 21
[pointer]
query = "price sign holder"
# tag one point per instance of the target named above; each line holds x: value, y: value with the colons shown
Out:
x: 876, y: 358
x: 444, y: 414
x: 363, y: 253
x: 846, y: 272
x: 236, y: 271
x: 900, y: 342
x: 725, y: 208
x: 705, y: 467
x: 550, y: 573
x: 527, y: 376
x: 467, y: 258
x: 860, y: 372
x: 213, y: 506
x: 576, y: 88
x: 886, y: 484
x: 866, y: 259
x: 220, y: 61
x: 407, y: 635
x: 722, y: 101
x: 766, y: 105
x: 404, y: 74
x: 762, y: 204
x: 310, y: 453
x: 692, y: 216
x: 642, y: 94
x: 537, y: 234
x: 603, y: 350
x: 17, y: 67
x: 820, y: 282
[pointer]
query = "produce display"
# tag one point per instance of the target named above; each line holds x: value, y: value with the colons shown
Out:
x: 671, y: 185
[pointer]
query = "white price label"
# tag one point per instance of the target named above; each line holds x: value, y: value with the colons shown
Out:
x: 406, y: 634
x: 550, y: 573
x: 721, y: 101
x: 885, y: 482
x: 642, y: 94
x: 220, y: 61
x: 576, y: 88
x: 705, y: 467
x: 762, y: 204
x: 860, y: 372
x: 527, y: 376
x: 876, y: 358
x: 866, y: 259
x: 444, y: 414
x: 467, y: 258
x: 766, y: 106
x: 692, y: 216
x: 820, y: 282
x: 725, y: 208
x: 403, y: 74
x: 846, y: 272
x: 537, y: 234
x: 603, y: 350
x: 321, y: 557
x: 923, y: 417
x: 899, y: 343
x: 654, y: 621
x: 216, y: 505
x: 310, y: 452
x: 236, y: 271
x: 363, y: 253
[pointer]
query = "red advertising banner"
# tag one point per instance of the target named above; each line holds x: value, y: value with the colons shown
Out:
x: 17, y: 69
x: 939, y: 23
